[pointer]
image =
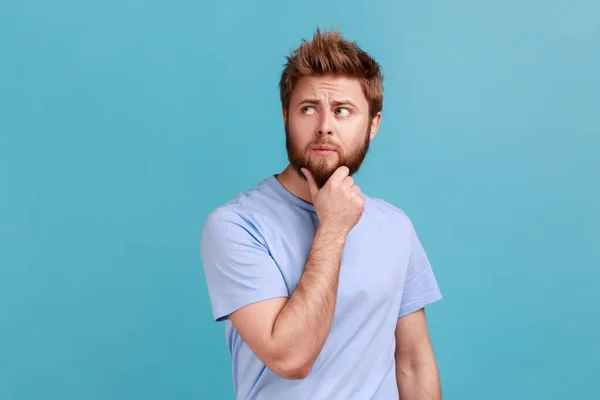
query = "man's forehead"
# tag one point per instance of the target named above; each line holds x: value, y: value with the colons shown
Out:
x: 329, y: 89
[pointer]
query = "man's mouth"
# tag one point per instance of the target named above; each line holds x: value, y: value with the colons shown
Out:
x: 324, y: 150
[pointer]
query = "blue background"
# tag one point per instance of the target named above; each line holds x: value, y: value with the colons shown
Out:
x: 124, y: 123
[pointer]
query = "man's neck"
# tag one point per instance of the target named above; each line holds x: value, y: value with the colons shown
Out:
x: 294, y: 184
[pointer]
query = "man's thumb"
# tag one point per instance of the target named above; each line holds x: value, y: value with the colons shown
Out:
x: 312, y: 185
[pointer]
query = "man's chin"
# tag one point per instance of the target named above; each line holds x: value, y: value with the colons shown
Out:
x: 329, y: 163
x: 322, y: 175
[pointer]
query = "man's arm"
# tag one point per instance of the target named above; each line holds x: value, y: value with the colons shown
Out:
x: 288, y: 335
x: 416, y: 368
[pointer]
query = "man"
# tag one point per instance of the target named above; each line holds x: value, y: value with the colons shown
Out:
x: 322, y: 288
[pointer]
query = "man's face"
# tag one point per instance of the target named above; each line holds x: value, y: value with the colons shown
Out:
x: 328, y: 125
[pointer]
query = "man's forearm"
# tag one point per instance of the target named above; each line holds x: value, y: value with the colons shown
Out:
x: 303, y: 324
x: 419, y: 381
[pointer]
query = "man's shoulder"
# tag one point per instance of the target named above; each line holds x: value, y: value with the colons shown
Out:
x: 241, y: 209
x: 386, y: 210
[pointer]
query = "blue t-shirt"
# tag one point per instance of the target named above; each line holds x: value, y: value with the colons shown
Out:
x: 255, y: 247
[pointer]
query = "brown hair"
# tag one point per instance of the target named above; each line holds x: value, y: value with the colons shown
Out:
x: 330, y: 54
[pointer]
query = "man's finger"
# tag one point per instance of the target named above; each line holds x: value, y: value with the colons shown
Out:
x: 348, y: 182
x: 340, y: 173
x: 312, y: 185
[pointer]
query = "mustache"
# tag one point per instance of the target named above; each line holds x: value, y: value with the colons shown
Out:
x: 327, y: 143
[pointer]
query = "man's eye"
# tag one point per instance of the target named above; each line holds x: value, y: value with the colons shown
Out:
x: 342, y: 112
x: 308, y: 110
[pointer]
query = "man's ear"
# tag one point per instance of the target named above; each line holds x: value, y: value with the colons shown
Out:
x: 284, y: 114
x: 375, y: 125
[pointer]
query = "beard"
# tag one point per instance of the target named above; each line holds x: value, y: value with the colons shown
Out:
x: 322, y: 168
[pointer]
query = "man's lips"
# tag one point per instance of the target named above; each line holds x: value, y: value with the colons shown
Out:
x: 324, y: 150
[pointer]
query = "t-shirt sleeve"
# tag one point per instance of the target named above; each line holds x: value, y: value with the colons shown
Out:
x: 421, y: 287
x: 238, y: 267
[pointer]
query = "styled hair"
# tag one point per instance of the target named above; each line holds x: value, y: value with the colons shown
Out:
x: 328, y: 53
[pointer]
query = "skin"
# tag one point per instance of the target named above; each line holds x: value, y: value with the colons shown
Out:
x: 287, y: 334
x: 416, y: 368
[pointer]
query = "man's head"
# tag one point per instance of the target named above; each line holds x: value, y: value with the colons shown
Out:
x: 332, y: 96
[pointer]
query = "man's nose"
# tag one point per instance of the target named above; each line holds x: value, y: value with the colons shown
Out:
x: 326, y: 124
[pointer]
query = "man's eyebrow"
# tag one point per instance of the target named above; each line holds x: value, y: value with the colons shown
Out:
x: 309, y: 100
x: 338, y: 103
x: 335, y: 103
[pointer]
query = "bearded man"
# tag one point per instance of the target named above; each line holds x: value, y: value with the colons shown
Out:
x: 322, y: 288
